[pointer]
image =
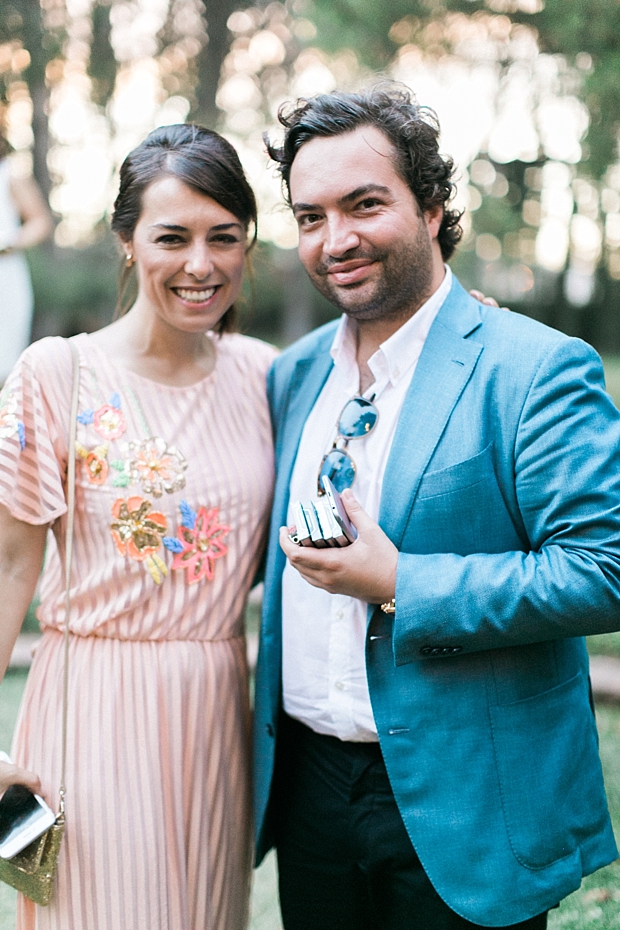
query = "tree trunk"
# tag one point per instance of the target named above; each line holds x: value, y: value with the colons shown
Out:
x: 210, y: 60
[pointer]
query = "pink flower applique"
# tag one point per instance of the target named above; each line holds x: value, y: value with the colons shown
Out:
x: 108, y: 420
x: 198, y: 543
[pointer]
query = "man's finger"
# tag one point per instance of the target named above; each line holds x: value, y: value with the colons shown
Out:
x: 356, y: 513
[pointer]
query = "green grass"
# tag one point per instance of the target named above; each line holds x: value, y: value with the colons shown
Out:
x: 609, y: 643
x: 612, y: 376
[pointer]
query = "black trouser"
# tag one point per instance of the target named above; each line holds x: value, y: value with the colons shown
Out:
x: 345, y: 860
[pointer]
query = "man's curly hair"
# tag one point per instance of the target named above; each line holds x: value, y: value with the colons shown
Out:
x: 413, y: 131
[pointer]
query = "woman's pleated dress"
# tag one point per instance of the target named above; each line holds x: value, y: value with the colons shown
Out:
x: 173, y: 493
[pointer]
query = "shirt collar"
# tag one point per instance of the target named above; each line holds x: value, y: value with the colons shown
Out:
x: 394, y: 357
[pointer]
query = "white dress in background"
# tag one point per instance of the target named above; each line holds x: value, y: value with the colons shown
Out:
x: 16, y: 300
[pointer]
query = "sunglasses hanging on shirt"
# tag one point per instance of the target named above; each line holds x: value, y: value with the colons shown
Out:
x: 358, y: 418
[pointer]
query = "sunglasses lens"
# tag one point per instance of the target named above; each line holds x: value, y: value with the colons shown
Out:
x: 339, y: 468
x: 358, y: 418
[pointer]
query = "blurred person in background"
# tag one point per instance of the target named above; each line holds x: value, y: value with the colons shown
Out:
x: 25, y: 221
x: 174, y: 484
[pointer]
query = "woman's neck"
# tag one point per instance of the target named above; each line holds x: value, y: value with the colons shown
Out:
x: 155, y: 350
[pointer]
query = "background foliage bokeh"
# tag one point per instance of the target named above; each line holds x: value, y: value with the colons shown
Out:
x: 81, y: 81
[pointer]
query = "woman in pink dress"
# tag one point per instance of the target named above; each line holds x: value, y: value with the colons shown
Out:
x: 174, y: 481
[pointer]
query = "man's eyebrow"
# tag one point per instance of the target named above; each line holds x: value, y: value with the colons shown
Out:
x: 366, y: 189
x: 348, y: 198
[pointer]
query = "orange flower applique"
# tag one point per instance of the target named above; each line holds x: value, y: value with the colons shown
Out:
x: 198, y: 543
x: 97, y: 468
x: 138, y: 531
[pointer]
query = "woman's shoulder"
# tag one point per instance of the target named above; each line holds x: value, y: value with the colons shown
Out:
x: 46, y: 358
x: 251, y: 353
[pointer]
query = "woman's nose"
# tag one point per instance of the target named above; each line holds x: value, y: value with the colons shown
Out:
x: 199, y: 262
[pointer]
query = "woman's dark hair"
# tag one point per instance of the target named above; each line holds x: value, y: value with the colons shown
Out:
x: 413, y: 131
x: 200, y: 158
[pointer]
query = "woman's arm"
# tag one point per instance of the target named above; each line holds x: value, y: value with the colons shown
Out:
x: 21, y: 556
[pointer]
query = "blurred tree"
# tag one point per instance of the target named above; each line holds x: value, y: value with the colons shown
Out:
x: 31, y: 38
x: 585, y: 32
x: 211, y: 58
x: 102, y: 65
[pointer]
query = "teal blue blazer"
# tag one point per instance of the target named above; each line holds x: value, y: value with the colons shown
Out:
x: 502, y: 494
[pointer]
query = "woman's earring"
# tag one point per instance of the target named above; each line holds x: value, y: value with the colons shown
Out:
x: 129, y: 259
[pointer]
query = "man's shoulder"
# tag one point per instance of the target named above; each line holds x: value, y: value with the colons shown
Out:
x: 506, y: 333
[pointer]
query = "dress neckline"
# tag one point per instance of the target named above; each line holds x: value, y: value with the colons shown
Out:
x: 87, y: 341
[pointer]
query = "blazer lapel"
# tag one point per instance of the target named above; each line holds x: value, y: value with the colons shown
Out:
x: 444, y: 368
x: 306, y: 384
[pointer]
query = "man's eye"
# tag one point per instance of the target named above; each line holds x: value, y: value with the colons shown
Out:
x: 369, y: 203
x: 307, y: 219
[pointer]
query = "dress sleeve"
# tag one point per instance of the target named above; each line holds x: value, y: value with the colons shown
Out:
x: 34, y: 415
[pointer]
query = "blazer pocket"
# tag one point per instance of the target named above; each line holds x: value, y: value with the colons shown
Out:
x: 460, y: 475
x: 550, y: 776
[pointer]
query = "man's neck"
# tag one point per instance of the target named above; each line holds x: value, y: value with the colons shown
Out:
x: 371, y: 334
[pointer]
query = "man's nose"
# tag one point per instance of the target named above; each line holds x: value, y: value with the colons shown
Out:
x: 199, y: 261
x: 341, y: 237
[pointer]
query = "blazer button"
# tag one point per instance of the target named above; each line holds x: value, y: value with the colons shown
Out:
x: 269, y: 729
x: 456, y: 650
x: 425, y: 651
x: 436, y: 651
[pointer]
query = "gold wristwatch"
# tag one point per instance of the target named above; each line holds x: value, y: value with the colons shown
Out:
x: 389, y: 607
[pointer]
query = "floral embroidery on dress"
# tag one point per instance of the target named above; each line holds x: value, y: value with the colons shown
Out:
x: 108, y: 420
x: 138, y: 532
x: 153, y: 464
x: 198, y: 542
x: 95, y: 463
x: 10, y: 425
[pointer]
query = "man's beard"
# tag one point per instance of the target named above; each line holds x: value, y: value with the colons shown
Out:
x: 404, y: 285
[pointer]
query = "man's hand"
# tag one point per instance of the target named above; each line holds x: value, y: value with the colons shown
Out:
x: 366, y: 569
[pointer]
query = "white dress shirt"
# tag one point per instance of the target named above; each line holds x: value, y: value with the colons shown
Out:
x: 323, y: 661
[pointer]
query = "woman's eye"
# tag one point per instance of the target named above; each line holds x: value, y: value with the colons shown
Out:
x: 226, y: 239
x: 168, y: 239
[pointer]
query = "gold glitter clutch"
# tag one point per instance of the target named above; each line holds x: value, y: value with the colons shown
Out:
x: 33, y: 870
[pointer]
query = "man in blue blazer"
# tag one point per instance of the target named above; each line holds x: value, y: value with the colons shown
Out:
x: 426, y: 746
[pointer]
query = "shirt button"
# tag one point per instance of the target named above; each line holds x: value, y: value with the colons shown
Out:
x: 340, y: 686
x: 340, y: 615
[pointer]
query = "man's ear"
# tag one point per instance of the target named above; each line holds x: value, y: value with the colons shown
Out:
x: 433, y: 219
